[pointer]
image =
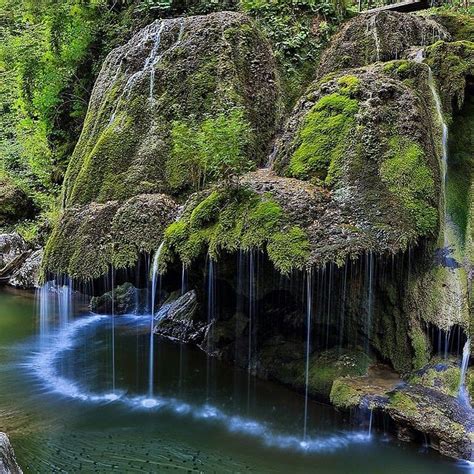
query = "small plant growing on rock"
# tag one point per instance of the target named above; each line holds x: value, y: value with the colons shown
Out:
x: 216, y: 149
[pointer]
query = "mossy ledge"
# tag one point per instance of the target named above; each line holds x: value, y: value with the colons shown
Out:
x: 228, y: 220
x: 90, y: 239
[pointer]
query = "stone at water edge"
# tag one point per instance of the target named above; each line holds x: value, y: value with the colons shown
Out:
x: 8, y: 464
x: 11, y: 246
x: 27, y: 276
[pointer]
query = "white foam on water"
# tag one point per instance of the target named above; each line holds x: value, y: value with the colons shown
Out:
x: 44, y: 365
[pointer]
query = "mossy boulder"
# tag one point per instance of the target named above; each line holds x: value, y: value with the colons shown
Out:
x: 247, y: 218
x: 362, y: 137
x: 414, y: 407
x: 89, y: 239
x: 381, y: 36
x: 460, y: 25
x: 452, y: 64
x: 185, y: 69
x: 15, y: 204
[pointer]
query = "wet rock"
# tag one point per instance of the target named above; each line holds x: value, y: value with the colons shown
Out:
x: 175, y: 320
x: 415, y: 408
x: 8, y: 464
x: 125, y: 299
x: 381, y: 36
x: 27, y: 276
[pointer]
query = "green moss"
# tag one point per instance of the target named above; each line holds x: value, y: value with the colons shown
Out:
x: 349, y: 84
x: 410, y: 179
x: 420, y: 347
x: 461, y: 166
x: 403, y: 403
x: 445, y: 380
x: 289, y: 249
x: 451, y: 63
x: 343, y: 395
x: 460, y: 25
x: 322, y: 139
x: 236, y: 219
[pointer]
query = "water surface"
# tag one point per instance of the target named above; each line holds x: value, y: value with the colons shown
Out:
x: 58, y: 404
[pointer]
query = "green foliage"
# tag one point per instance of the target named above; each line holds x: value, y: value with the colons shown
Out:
x: 410, y: 179
x: 323, y: 136
x: 236, y: 219
x: 298, y: 31
x: 216, y: 149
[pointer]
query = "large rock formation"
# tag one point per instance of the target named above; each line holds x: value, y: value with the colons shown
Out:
x: 8, y: 464
x: 187, y: 69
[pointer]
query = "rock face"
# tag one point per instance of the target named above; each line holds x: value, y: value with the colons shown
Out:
x: 89, y: 238
x: 383, y: 36
x: 8, y: 463
x: 175, y: 320
x: 360, y: 135
x: 186, y: 69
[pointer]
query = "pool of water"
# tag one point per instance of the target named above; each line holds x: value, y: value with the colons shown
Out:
x: 78, y: 399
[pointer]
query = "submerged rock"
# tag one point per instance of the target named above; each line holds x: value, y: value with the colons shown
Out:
x: 176, y: 320
x: 8, y: 464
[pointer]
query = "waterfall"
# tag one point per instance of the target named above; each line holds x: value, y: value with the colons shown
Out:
x: 155, y: 277
x: 309, y: 310
x: 183, y: 280
x: 112, y: 282
x: 463, y: 394
x: 369, y: 262
x: 251, y: 308
x: 372, y: 27
x: 45, y: 307
x: 211, y: 314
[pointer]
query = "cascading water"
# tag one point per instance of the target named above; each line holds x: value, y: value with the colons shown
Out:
x: 155, y: 281
x: 309, y: 313
x: 211, y: 316
x: 463, y: 394
x: 112, y: 273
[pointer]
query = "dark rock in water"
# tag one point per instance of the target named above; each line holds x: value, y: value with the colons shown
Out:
x: 27, y: 276
x: 8, y: 464
x: 175, y: 320
x: 124, y: 299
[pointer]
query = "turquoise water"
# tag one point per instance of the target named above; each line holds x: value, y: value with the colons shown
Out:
x: 59, y: 408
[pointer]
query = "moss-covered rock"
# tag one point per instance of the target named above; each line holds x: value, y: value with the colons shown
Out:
x: 381, y: 36
x: 420, y: 406
x: 15, y: 204
x: 89, y: 239
x: 451, y: 64
x: 227, y: 220
x: 362, y: 136
x: 177, y: 69
x: 460, y: 25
